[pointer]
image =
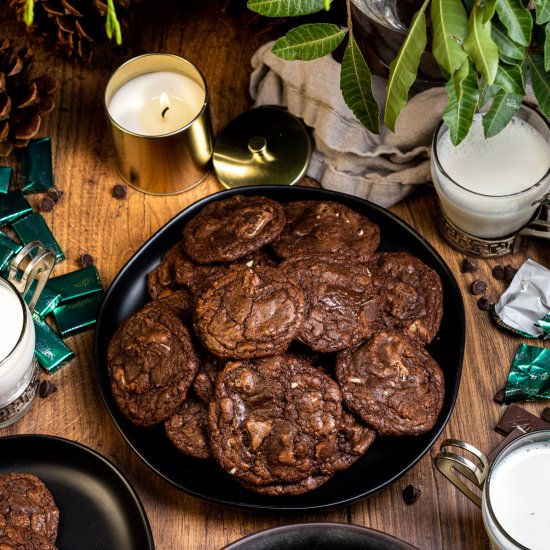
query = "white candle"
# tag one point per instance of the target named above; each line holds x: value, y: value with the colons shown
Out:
x: 16, y: 345
x: 519, y: 490
x: 486, y: 187
x: 156, y: 103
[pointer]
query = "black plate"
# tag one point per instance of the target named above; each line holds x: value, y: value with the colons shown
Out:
x: 387, y: 459
x: 98, y: 508
x: 320, y: 536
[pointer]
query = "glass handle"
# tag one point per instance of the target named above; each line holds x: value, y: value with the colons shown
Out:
x: 449, y: 463
x: 33, y: 263
x: 540, y: 225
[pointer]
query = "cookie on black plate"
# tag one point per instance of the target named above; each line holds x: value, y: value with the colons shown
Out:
x: 392, y: 384
x: 152, y: 363
x: 229, y: 229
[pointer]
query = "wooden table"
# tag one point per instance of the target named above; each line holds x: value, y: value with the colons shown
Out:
x: 88, y: 219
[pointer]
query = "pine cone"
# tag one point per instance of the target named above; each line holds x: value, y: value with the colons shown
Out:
x: 23, y: 102
x: 72, y: 26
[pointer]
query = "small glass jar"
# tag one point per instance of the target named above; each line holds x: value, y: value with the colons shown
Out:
x: 19, y: 372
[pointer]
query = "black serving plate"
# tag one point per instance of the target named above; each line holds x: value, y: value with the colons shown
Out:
x: 320, y: 536
x: 98, y: 508
x: 387, y: 459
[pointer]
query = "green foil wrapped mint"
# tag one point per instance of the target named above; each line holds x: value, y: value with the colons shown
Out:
x: 529, y: 376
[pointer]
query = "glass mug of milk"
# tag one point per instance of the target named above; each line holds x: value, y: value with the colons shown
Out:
x: 515, y: 489
x: 19, y: 373
x: 490, y: 189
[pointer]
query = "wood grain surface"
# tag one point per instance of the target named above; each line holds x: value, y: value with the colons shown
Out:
x: 89, y: 220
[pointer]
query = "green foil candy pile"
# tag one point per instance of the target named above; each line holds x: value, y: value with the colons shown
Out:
x: 529, y: 376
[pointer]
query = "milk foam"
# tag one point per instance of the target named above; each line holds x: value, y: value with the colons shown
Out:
x: 11, y: 320
x: 513, y: 160
x: 519, y: 492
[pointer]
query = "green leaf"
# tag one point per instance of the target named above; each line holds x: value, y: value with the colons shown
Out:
x: 404, y: 67
x: 450, y: 27
x: 460, y: 112
x: 458, y: 77
x: 516, y: 19
x: 28, y: 12
x: 509, y: 78
x: 309, y: 42
x: 506, y: 46
x: 503, y: 108
x: 112, y: 26
x: 547, y: 47
x: 356, y: 87
x: 285, y: 8
x: 480, y: 46
x: 540, y: 79
x: 486, y: 93
x: 490, y: 7
x: 542, y: 8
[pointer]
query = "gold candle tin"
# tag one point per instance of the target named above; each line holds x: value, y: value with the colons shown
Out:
x: 168, y: 163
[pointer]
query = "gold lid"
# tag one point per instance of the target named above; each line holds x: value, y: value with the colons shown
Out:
x: 263, y: 146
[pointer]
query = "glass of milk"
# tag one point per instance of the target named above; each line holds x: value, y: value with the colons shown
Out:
x: 489, y: 189
x: 19, y: 373
x: 515, y: 489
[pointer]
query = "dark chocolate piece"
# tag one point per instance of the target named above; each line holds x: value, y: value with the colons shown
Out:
x: 545, y: 414
x: 498, y: 272
x: 46, y: 204
x: 86, y: 260
x: 46, y: 388
x: 484, y: 303
x: 478, y: 287
x: 54, y: 194
x: 516, y: 416
x: 411, y: 494
x: 514, y: 434
x: 499, y: 396
x: 468, y: 266
x: 119, y: 191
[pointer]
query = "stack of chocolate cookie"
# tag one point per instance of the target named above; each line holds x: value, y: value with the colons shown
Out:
x: 29, y: 517
x: 279, y: 342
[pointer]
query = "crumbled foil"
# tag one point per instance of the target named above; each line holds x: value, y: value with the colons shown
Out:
x: 525, y: 304
x: 529, y: 376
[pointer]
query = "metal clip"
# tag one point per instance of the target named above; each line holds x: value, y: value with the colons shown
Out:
x: 39, y: 262
x: 449, y: 463
x: 539, y: 227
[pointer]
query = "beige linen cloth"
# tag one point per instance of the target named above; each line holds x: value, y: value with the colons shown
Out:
x: 347, y: 157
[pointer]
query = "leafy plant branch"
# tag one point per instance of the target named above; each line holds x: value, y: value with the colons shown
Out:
x: 486, y: 49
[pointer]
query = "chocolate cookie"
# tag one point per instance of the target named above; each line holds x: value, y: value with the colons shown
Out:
x: 411, y: 295
x: 12, y: 538
x: 174, y: 271
x: 354, y: 438
x: 205, y: 381
x: 187, y: 428
x: 180, y: 302
x: 274, y: 423
x: 393, y: 384
x: 229, y: 229
x: 340, y: 306
x: 152, y: 363
x: 249, y: 312
x: 325, y: 227
x: 275, y: 489
x: 26, y: 503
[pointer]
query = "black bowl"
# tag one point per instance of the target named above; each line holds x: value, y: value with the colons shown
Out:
x: 387, y: 459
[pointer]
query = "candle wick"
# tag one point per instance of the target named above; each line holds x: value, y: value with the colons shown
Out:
x: 164, y: 111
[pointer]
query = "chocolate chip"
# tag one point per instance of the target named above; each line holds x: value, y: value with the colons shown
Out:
x: 54, y: 194
x: 46, y: 388
x: 119, y: 191
x: 46, y: 204
x: 499, y: 396
x: 484, y: 303
x: 478, y: 286
x: 411, y: 494
x: 515, y: 416
x: 509, y: 273
x: 545, y: 414
x: 468, y: 266
x: 86, y: 260
x: 498, y: 272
